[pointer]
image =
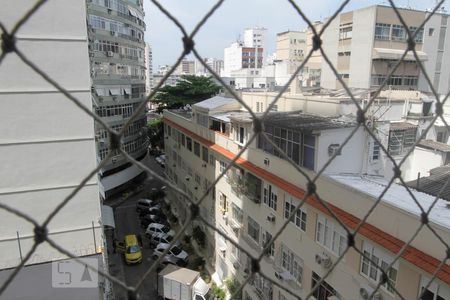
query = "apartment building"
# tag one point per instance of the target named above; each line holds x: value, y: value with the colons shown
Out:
x: 252, y: 201
x: 118, y: 69
x: 215, y: 64
x: 365, y: 44
x: 186, y: 67
x: 148, y: 68
x: 47, y: 147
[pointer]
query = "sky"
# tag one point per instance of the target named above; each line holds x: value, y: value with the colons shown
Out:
x: 228, y: 23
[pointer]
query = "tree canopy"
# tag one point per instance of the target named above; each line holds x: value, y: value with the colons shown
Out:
x: 190, y: 89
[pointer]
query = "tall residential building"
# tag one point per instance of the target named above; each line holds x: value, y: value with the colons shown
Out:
x: 256, y: 197
x: 185, y: 67
x: 47, y: 147
x: 117, y: 50
x: 149, y: 68
x: 365, y: 44
x: 215, y: 64
x: 247, y: 54
x: 290, y: 52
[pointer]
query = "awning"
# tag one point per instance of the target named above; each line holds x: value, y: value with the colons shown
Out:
x: 127, y: 91
x: 200, y: 287
x: 108, y: 216
x: 100, y: 92
x: 114, y: 91
x: 396, y: 54
x: 133, y: 12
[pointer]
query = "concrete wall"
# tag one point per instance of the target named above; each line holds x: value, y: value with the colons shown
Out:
x: 361, y: 48
x: 47, y: 143
x: 330, y: 45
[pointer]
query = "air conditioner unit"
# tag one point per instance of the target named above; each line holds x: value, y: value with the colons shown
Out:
x: 112, y: 33
x: 109, y: 53
x: 204, y: 165
x: 187, y: 178
x: 324, y: 260
x: 283, y: 276
x: 377, y: 296
x: 91, y: 54
x: 364, y: 293
x: 266, y: 161
x: 271, y: 218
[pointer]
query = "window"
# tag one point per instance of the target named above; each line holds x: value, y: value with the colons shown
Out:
x: 189, y: 143
x: 237, y: 213
x: 202, y: 120
x: 197, y: 178
x: 274, y: 108
x: 345, y: 31
x: 398, y: 33
x: 309, y: 143
x: 257, y: 107
x: 270, y: 196
x: 222, y: 167
x: 419, y: 35
x: 375, y: 259
x: 223, y: 203
x: 433, y: 291
x: 240, y: 134
x: 400, y: 141
x: 197, y: 149
x: 324, y: 291
x: 331, y: 236
x: 292, y: 263
x: 183, y: 140
x: 375, y: 151
x: 212, y: 161
x: 410, y: 81
x: 299, y: 219
x: 253, y: 229
x: 266, y: 237
x: 291, y: 142
x: 382, y: 31
x: 205, y: 154
x: 378, y: 79
x: 430, y: 31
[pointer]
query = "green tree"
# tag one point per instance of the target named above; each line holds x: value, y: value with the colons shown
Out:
x: 190, y: 89
x: 155, y: 133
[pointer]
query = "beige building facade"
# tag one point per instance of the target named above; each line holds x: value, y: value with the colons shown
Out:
x: 364, y: 46
x: 253, y: 200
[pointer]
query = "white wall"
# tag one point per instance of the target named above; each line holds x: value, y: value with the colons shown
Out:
x: 361, y: 47
x: 422, y: 160
x: 232, y: 59
x: 330, y: 42
x: 353, y: 151
x: 46, y: 142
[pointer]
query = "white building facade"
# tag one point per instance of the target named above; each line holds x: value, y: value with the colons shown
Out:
x: 47, y: 147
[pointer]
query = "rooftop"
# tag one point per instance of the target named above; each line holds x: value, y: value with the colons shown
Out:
x: 402, y: 125
x: 297, y: 120
x: 398, y: 196
x: 214, y: 102
x: 433, y: 145
x: 435, y: 184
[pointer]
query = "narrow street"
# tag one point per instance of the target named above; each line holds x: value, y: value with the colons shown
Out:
x: 128, y: 222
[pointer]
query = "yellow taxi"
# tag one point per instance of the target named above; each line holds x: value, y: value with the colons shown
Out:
x: 131, y: 249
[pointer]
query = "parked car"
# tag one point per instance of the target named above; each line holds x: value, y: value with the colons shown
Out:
x: 154, y: 228
x: 161, y: 159
x: 143, y: 204
x: 170, y: 260
x: 152, y: 211
x: 147, y: 219
x: 131, y: 249
x: 174, y: 251
x: 159, y: 238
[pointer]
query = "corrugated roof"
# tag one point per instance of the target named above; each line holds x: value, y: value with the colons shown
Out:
x: 214, y: 102
x: 307, y: 122
x: 429, y: 144
x: 402, y: 125
x: 435, y: 184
